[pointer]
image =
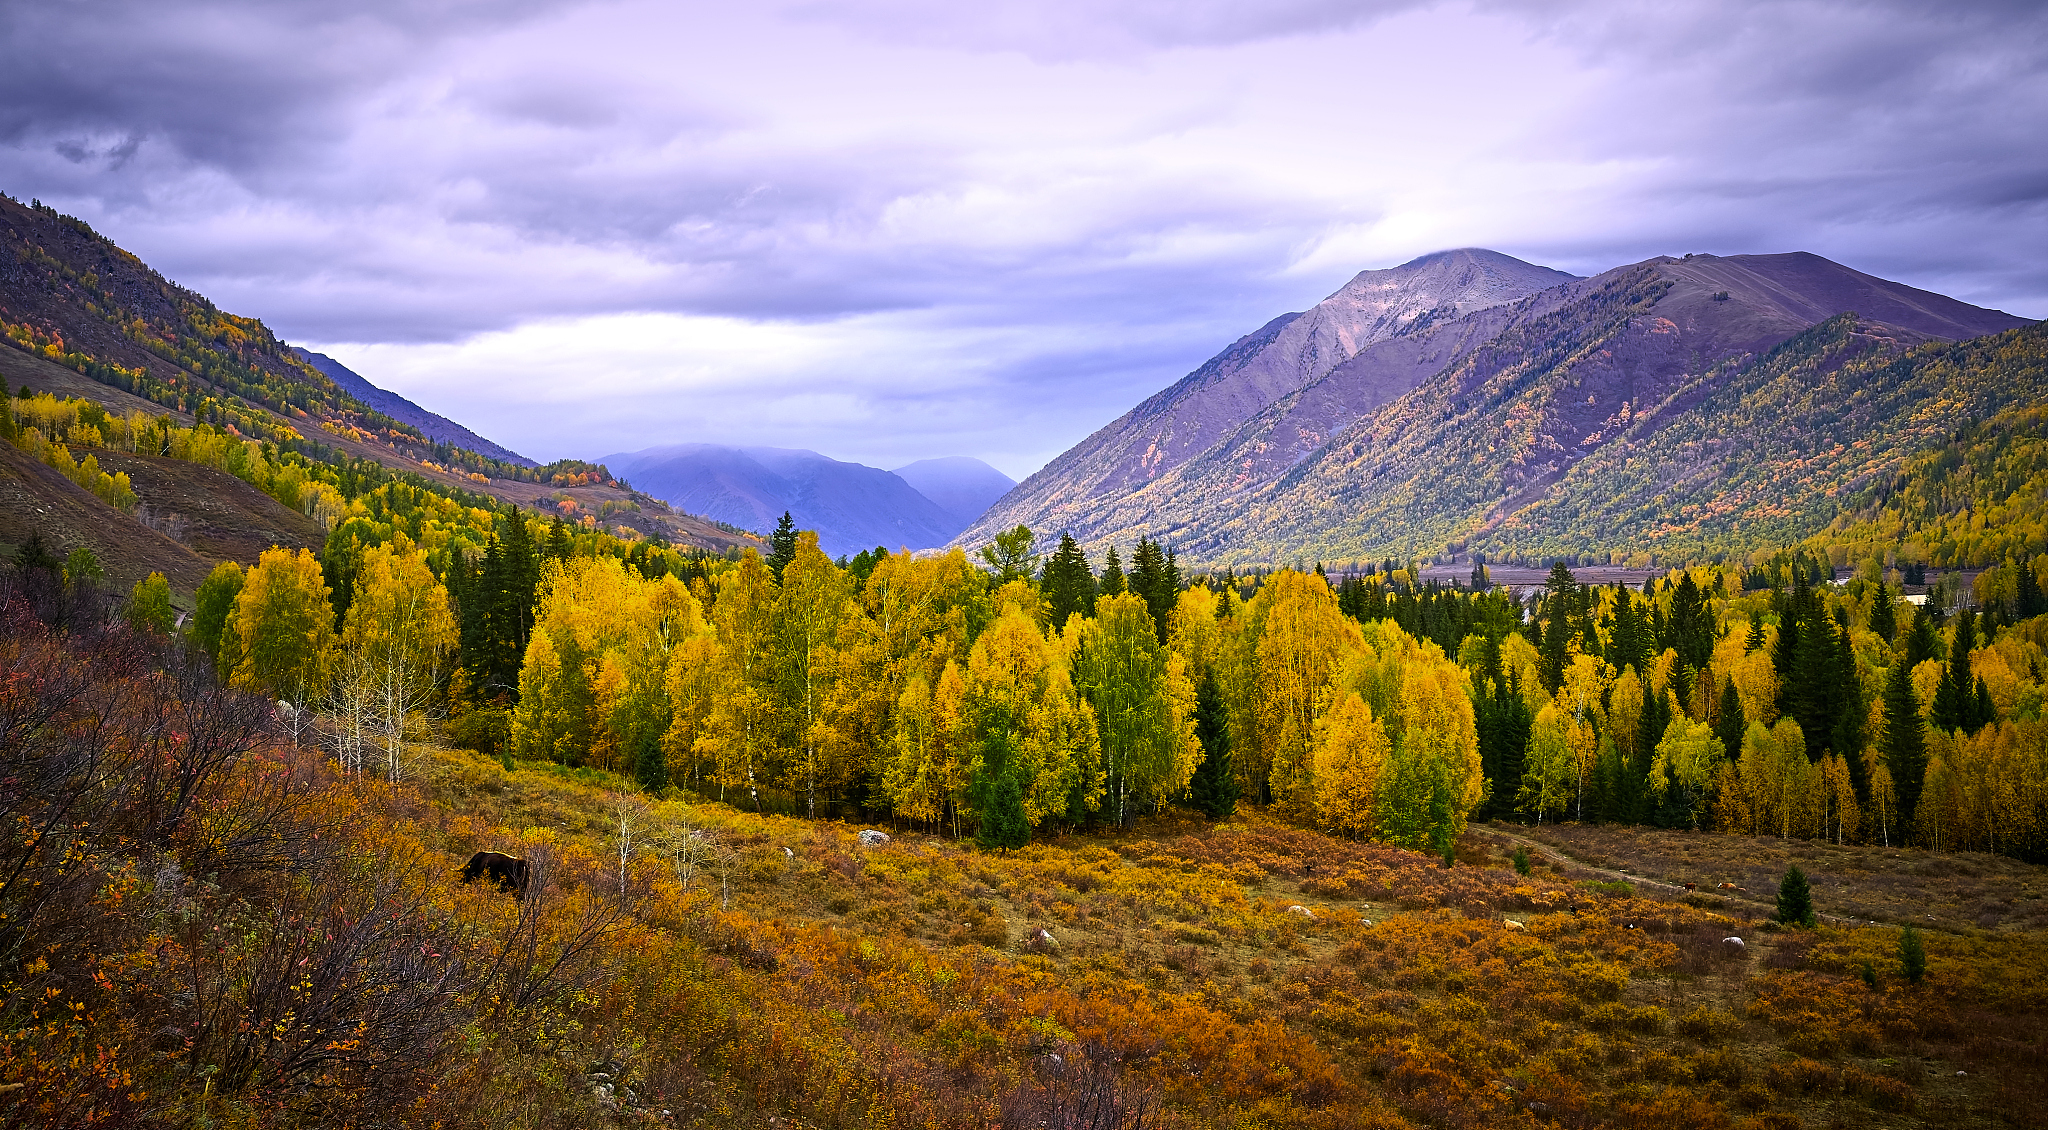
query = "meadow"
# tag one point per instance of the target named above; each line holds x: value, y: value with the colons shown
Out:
x: 256, y: 938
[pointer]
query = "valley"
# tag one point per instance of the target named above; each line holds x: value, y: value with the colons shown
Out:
x: 1367, y: 755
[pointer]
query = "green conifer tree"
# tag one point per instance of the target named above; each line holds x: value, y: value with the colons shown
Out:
x: 1912, y: 955
x: 1884, y: 620
x: 1214, y: 787
x: 1904, y: 744
x: 1002, y: 824
x: 1729, y: 722
x: 1067, y: 582
x: 2027, y: 600
x: 1955, y: 706
x: 1922, y: 644
x: 1112, y: 581
x: 1795, y: 899
x: 782, y: 545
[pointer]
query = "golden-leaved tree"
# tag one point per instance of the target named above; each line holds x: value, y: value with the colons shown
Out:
x: 283, y: 627
x: 396, y: 645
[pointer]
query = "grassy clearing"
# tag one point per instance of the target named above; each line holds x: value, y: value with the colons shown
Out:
x: 1402, y: 996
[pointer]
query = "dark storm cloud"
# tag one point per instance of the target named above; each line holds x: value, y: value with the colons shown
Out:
x: 1001, y: 223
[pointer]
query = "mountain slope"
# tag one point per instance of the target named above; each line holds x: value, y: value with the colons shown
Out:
x: 853, y: 507
x: 1487, y: 453
x: 81, y: 317
x: 435, y: 427
x: 1286, y: 354
x: 961, y: 485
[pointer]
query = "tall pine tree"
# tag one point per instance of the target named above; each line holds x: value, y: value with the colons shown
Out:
x: 782, y: 545
x: 1068, y: 583
x: 1112, y: 582
x: 1904, y: 743
x: 1214, y: 786
x: 1884, y: 620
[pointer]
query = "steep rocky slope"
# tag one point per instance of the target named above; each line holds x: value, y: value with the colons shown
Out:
x: 1502, y: 406
x: 1283, y: 356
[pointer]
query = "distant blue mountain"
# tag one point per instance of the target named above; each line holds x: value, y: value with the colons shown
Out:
x: 962, y: 485
x: 438, y: 428
x: 853, y: 507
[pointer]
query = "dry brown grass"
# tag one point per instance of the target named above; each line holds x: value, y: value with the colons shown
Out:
x: 1859, y: 882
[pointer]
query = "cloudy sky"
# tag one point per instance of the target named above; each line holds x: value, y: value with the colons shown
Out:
x: 905, y: 228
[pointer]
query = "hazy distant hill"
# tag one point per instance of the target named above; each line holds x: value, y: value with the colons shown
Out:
x: 853, y: 507
x: 962, y: 485
x: 1470, y: 432
x: 436, y: 427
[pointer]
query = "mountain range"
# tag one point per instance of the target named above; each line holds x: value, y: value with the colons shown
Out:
x: 1468, y: 401
x: 852, y: 507
x: 435, y: 427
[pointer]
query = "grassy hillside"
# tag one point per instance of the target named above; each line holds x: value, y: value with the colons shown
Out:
x: 270, y: 944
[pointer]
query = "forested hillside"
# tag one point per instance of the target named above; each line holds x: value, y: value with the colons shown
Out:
x: 117, y: 366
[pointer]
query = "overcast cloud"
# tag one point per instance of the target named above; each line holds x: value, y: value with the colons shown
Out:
x: 907, y: 228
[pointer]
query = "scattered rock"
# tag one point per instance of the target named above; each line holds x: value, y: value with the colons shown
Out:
x: 1539, y: 1108
x: 1961, y: 1074
x: 871, y: 837
x: 1734, y: 945
x: 1365, y: 922
x: 1305, y: 912
x: 789, y: 854
x: 1043, y: 937
x: 1514, y: 925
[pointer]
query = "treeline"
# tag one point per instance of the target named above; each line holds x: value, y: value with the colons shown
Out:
x: 1009, y: 694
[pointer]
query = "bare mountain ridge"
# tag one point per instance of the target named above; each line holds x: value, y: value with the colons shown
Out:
x: 434, y: 426
x: 1258, y: 369
x: 1362, y: 456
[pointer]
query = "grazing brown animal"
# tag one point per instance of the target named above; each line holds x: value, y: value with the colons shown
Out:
x: 508, y: 872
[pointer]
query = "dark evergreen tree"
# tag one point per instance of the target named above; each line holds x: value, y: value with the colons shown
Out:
x: 2027, y: 599
x: 1002, y: 813
x: 1850, y: 708
x: 1112, y: 581
x: 1984, y: 711
x: 1692, y: 625
x: 1150, y: 578
x: 1912, y: 955
x: 1904, y: 743
x: 1067, y: 582
x: 1795, y: 899
x: 1560, y: 626
x: 1730, y: 722
x: 559, y: 545
x: 1214, y: 786
x: 1504, y: 743
x: 1755, y: 638
x: 782, y: 545
x: 1955, y: 700
x: 1628, y: 643
x: 1884, y: 620
x: 1922, y: 644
